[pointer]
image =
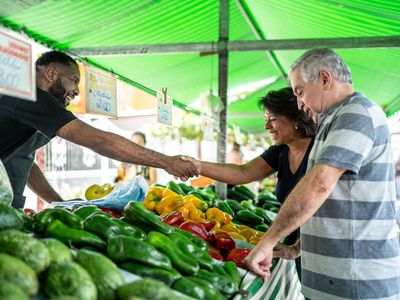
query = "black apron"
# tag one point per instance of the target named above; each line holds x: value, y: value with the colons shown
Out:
x: 19, y: 163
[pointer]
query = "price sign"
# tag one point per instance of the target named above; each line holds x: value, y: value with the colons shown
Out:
x: 164, y: 108
x: 17, y: 75
x: 101, y: 95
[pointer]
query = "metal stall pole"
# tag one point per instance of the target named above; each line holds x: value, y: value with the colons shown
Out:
x: 222, y: 87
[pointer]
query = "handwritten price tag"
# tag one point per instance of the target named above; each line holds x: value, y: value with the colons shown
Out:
x: 164, y: 108
x: 17, y: 75
x: 101, y: 95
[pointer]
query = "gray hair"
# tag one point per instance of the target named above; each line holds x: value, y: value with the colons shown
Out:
x: 317, y: 59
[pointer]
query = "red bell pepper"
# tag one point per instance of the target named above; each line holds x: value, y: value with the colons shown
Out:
x: 197, y: 229
x: 174, y: 218
x: 214, y: 253
x: 238, y: 255
x: 222, y: 240
x: 209, y: 225
x: 29, y: 212
x: 114, y: 213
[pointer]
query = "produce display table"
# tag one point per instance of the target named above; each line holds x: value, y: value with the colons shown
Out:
x: 283, y: 284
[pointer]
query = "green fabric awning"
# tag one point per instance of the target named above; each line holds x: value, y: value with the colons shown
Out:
x: 71, y: 24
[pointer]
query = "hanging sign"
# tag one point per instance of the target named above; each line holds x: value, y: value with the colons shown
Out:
x: 207, y: 124
x: 164, y: 108
x: 101, y: 95
x: 17, y: 74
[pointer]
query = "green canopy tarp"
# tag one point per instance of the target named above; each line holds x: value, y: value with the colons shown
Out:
x: 72, y: 24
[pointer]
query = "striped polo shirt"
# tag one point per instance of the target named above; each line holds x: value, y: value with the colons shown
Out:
x: 350, y: 247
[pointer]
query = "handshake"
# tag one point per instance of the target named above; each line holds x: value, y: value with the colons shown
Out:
x: 183, y: 167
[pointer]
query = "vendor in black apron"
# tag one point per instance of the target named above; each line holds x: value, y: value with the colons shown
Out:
x: 26, y: 126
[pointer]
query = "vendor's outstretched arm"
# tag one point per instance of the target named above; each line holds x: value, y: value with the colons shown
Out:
x: 301, y: 204
x: 122, y: 149
x: 40, y: 186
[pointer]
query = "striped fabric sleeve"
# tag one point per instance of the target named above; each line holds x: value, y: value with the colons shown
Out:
x: 349, y: 141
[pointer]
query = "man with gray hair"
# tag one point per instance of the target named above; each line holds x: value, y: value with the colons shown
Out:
x: 345, y: 204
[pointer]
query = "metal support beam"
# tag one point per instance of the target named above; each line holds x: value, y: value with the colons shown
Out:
x: 260, y: 45
x: 260, y: 36
x: 222, y: 88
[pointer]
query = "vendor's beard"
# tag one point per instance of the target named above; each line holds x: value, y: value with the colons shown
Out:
x: 58, y: 91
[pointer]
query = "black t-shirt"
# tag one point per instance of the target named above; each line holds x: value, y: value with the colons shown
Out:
x: 277, y: 157
x: 20, y: 119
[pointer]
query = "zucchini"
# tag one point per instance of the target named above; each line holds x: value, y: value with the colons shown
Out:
x: 245, y: 191
x: 234, y: 205
x: 185, y: 188
x: 11, y: 291
x: 30, y: 250
x: 15, y: 271
x: 166, y: 276
x: 105, y: 274
x: 175, y: 188
x: 182, y: 262
x: 146, y: 289
x: 10, y: 218
x: 222, y: 205
x: 124, y: 248
x: 236, y: 195
x: 248, y: 217
x: 69, y: 279
x: 137, y: 214
x: 58, y: 251
x: 262, y: 227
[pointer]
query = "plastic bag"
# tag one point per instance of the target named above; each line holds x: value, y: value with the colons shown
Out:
x: 132, y: 190
x: 6, y: 194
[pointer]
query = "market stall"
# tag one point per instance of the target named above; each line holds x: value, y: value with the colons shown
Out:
x: 117, y: 46
x: 120, y: 229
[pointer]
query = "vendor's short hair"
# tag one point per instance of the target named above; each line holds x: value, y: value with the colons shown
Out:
x: 55, y: 57
x: 283, y: 102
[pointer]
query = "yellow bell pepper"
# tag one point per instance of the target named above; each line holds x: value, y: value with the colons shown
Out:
x: 243, y: 227
x: 198, y: 203
x: 255, y: 240
x: 228, y: 218
x: 259, y: 233
x: 151, y: 200
x: 189, y: 205
x: 157, y: 190
x: 185, y: 212
x: 216, y: 229
x: 169, y: 204
x: 168, y: 192
x: 248, y: 233
x: 237, y: 236
x: 197, y: 215
x: 230, y: 228
x: 216, y: 214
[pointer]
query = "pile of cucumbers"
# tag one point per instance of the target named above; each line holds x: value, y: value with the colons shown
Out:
x: 39, y: 248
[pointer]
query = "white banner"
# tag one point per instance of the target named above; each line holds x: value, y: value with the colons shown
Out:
x: 17, y: 74
x: 101, y: 92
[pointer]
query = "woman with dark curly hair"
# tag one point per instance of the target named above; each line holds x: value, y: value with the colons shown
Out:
x: 292, y: 132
